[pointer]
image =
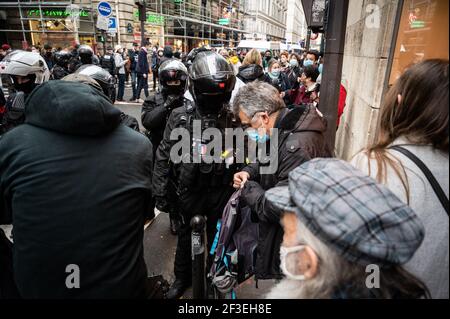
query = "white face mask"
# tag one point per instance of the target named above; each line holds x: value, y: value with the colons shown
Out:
x: 284, y: 252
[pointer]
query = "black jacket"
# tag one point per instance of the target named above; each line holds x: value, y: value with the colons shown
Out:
x: 281, y: 84
x: 301, y: 138
x: 194, y: 183
x: 154, y: 117
x: 292, y: 75
x: 251, y: 73
x: 76, y: 185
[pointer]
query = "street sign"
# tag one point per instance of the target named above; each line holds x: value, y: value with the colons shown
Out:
x: 102, y: 23
x: 112, y: 25
x: 104, y: 9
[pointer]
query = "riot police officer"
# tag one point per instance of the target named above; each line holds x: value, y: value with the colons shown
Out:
x: 106, y: 82
x: 26, y: 70
x: 83, y: 55
x: 61, y: 68
x: 173, y: 78
x: 201, y: 188
x: 107, y: 61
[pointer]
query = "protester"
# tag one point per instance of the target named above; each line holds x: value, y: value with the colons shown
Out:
x: 414, y: 116
x: 48, y: 56
x: 92, y: 219
x: 294, y: 71
x: 156, y: 62
x: 234, y: 61
x: 312, y: 58
x: 142, y: 70
x: 284, y: 61
x: 4, y: 50
x: 133, y: 56
x: 300, y: 134
x: 266, y: 60
x: 304, y: 94
x: 119, y: 63
x: 251, y: 69
x: 338, y: 223
x: 276, y: 78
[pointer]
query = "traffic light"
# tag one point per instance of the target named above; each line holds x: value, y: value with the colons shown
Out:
x: 142, y: 10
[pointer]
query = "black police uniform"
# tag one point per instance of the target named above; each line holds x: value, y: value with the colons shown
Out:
x: 201, y: 189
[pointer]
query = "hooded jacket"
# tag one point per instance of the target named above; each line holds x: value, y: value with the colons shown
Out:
x: 251, y: 73
x: 76, y: 184
x: 301, y: 138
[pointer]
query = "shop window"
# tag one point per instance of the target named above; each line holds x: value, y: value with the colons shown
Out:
x: 423, y: 34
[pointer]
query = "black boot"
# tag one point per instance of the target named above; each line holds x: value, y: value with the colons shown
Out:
x: 175, y: 224
x: 177, y: 289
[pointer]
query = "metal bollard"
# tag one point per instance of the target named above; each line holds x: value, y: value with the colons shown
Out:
x: 198, y: 257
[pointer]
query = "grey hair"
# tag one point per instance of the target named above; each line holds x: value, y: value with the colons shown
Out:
x: 257, y: 97
x: 335, y: 272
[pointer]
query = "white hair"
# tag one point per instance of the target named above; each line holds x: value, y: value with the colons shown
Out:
x: 332, y: 271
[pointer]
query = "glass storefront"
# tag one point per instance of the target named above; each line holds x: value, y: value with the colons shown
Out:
x: 423, y: 34
x: 59, y: 23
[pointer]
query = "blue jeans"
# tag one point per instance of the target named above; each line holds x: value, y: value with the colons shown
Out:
x: 134, y: 84
x: 121, y: 89
x: 142, y: 84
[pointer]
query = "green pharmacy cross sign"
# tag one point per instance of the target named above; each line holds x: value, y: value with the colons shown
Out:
x: 54, y: 13
x: 152, y: 18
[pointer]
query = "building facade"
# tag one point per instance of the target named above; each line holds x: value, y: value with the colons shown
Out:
x: 266, y: 19
x: 183, y: 24
x: 296, y: 28
x: 383, y: 38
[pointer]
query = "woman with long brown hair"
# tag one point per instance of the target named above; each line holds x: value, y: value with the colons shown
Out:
x: 411, y: 150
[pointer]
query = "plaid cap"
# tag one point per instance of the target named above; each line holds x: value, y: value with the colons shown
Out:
x: 355, y: 216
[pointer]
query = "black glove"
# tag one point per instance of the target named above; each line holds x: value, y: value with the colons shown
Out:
x: 172, y: 102
x: 162, y: 205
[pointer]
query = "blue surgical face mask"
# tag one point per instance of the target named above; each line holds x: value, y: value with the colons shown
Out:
x: 308, y: 63
x: 293, y: 63
x: 275, y: 73
x: 321, y: 68
x: 254, y: 136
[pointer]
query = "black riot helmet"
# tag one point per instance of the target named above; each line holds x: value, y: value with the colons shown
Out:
x: 103, y: 77
x: 173, y: 78
x: 212, y: 81
x: 85, y: 53
x: 62, y: 58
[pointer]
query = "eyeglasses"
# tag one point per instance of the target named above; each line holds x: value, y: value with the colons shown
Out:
x: 284, y: 253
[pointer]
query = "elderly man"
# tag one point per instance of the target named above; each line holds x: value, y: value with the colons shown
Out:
x: 346, y: 236
x: 300, y: 133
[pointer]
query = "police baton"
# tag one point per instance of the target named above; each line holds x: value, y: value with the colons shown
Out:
x: 198, y: 257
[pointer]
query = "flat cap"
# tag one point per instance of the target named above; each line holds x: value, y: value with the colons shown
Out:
x: 361, y: 220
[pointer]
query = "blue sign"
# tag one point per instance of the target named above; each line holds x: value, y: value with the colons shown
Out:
x: 104, y: 9
x: 112, y: 24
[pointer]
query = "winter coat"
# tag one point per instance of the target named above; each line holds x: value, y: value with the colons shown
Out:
x: 281, y: 83
x: 77, y: 185
x: 142, y: 65
x: 301, y: 138
x: 251, y: 73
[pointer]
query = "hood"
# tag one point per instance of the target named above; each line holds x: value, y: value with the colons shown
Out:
x: 71, y: 108
x: 302, y: 118
x: 251, y: 72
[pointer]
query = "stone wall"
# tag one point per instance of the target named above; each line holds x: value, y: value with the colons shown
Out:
x: 367, y: 49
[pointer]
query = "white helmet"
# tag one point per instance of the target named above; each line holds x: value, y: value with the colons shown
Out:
x: 26, y: 63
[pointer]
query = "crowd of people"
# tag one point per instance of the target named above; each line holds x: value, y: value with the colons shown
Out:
x: 78, y: 180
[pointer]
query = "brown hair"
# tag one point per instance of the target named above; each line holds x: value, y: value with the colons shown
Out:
x: 252, y: 57
x: 285, y: 53
x: 293, y: 54
x: 421, y: 115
